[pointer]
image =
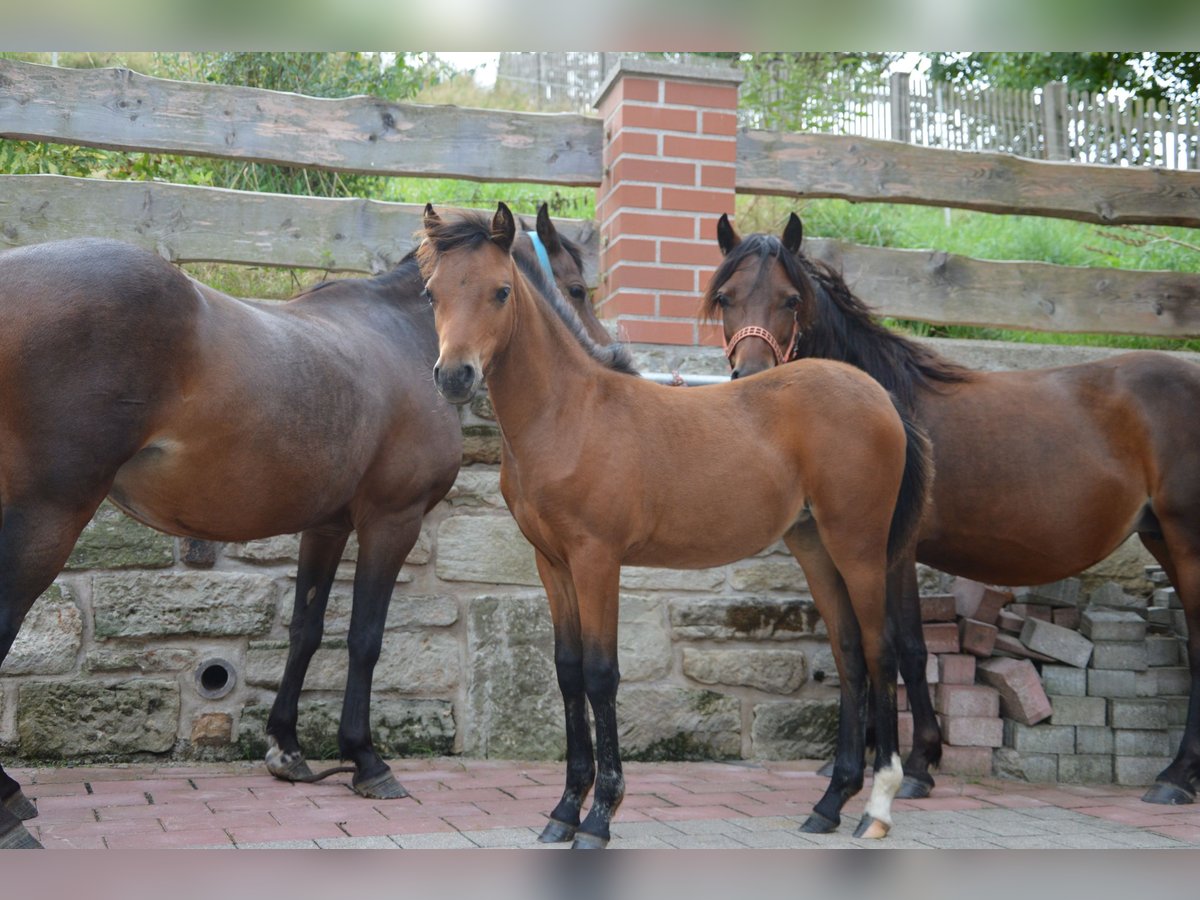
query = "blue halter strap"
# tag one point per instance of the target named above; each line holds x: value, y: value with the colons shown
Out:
x: 542, y: 255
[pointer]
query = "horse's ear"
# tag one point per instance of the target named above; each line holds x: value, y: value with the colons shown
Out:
x: 504, y: 227
x: 793, y: 234
x: 727, y: 236
x: 431, y: 218
x: 546, y: 231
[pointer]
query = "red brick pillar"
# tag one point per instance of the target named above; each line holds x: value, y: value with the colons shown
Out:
x: 670, y: 151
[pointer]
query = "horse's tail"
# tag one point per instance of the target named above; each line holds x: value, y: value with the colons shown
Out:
x: 914, y: 488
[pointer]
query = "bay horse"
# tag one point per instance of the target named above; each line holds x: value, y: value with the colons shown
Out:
x: 601, y: 468
x: 1040, y: 473
x: 204, y: 415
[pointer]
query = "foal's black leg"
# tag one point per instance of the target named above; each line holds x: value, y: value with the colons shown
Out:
x: 846, y: 779
x: 601, y: 677
x: 596, y: 580
x: 568, y: 663
x: 904, y: 606
x: 320, y: 554
x: 383, y: 547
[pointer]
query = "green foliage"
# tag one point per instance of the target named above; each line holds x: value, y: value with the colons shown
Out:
x: 524, y: 199
x: 40, y: 158
x: 791, y: 91
x: 312, y: 74
x: 1155, y: 74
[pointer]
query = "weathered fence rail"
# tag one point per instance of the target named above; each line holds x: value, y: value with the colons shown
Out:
x: 854, y: 168
x: 196, y: 224
x: 120, y: 109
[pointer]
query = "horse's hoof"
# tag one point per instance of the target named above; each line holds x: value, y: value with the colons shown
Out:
x: 914, y: 787
x: 557, y: 832
x: 289, y: 766
x: 585, y: 841
x: 18, y: 838
x: 818, y: 824
x: 872, y: 829
x: 826, y: 771
x: 1169, y: 794
x: 20, y: 806
x: 382, y: 787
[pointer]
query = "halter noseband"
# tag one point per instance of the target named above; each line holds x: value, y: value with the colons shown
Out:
x: 781, y: 356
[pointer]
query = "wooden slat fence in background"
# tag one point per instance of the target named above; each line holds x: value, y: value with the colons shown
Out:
x: 114, y: 108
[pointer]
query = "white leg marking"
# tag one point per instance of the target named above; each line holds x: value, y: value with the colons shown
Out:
x: 883, y: 789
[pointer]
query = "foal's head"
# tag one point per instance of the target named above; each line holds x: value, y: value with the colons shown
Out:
x: 762, y: 295
x: 469, y: 277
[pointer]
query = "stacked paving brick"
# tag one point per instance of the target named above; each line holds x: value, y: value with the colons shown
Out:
x: 1049, y: 684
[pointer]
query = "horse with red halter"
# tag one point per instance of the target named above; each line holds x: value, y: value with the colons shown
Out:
x: 1040, y: 473
x: 208, y: 416
x: 601, y: 468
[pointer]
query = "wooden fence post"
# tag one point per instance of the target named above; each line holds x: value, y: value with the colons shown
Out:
x: 899, y: 103
x: 669, y: 156
x: 1054, y: 122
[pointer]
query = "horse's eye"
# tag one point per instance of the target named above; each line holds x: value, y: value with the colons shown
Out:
x: 793, y: 302
x: 723, y: 300
x: 577, y: 292
x: 428, y: 295
x: 502, y: 294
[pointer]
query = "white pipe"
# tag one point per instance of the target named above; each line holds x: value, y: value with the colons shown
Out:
x: 689, y: 380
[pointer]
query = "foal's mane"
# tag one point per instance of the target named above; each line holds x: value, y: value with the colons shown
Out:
x: 471, y: 230
x: 840, y: 326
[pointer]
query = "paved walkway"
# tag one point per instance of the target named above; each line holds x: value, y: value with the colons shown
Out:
x: 471, y: 803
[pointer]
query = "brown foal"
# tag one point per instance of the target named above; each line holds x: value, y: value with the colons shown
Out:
x: 601, y: 468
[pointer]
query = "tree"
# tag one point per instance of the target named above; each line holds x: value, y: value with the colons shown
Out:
x: 806, y: 91
x: 1152, y: 74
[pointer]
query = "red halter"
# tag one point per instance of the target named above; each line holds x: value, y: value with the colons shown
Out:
x: 759, y: 332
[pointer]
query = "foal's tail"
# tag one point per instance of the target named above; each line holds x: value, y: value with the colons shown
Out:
x: 914, y: 488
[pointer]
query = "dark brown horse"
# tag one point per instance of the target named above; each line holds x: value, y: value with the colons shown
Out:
x: 204, y: 415
x: 601, y: 468
x: 1040, y: 474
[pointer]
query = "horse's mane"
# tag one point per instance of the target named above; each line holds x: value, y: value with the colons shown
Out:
x: 471, y: 230
x: 840, y: 326
x: 405, y: 270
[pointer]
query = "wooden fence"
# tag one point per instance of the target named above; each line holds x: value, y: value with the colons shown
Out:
x: 114, y: 108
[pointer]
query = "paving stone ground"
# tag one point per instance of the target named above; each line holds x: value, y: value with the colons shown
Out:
x: 463, y: 804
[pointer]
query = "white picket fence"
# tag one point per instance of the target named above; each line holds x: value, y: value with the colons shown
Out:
x: 1051, y: 122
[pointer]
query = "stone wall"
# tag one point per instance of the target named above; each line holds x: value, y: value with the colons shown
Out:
x: 717, y: 663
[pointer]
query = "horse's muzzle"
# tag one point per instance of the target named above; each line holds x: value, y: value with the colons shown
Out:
x: 457, y: 383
